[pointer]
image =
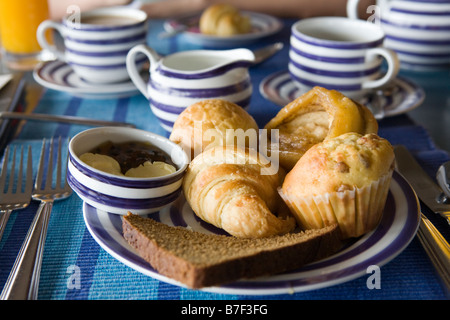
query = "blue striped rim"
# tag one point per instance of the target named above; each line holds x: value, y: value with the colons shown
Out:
x: 417, y: 26
x: 425, y: 55
x: 338, y: 87
x: 335, y: 44
x: 202, y: 93
x: 337, y: 74
x: 99, y: 53
x: 176, y: 110
x: 138, y: 37
x: 328, y: 59
x: 386, y: 223
x: 121, y: 202
x: 297, y: 280
x: 106, y: 66
x: 127, y: 183
x: 202, y: 75
x: 437, y: 66
x: 422, y: 13
x: 430, y: 1
x: 99, y: 28
x: 420, y: 41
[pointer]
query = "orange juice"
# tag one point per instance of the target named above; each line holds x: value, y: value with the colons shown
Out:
x: 19, y: 21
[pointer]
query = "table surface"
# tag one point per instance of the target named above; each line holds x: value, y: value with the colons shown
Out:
x: 425, y: 131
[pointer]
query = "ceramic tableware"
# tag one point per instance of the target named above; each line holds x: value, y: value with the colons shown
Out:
x: 120, y: 194
x: 183, y: 78
x: 96, y: 42
x: 419, y: 30
x: 340, y: 53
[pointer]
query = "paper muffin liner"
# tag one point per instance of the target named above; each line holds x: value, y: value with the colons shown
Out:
x: 356, y: 211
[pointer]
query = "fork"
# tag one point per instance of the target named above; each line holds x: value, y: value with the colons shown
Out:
x: 20, y: 197
x: 23, y: 281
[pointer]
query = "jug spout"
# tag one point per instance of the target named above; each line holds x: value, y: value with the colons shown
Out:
x: 242, y: 56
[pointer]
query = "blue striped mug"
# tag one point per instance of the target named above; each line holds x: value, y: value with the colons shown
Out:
x: 417, y: 30
x: 341, y: 54
x: 181, y: 79
x: 96, y: 42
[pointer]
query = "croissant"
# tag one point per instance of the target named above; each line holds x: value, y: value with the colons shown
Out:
x: 234, y: 189
x: 223, y: 20
x: 314, y: 116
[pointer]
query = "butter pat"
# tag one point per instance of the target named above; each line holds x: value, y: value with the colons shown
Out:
x: 149, y: 170
x: 101, y: 162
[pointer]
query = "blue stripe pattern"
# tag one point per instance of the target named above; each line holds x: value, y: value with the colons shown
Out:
x: 103, y: 277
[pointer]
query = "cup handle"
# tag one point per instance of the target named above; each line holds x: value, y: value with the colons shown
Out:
x: 393, y: 66
x: 352, y: 9
x: 40, y: 34
x: 132, y: 68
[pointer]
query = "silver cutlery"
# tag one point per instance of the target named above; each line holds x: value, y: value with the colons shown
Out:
x: 266, y: 52
x: 61, y: 118
x: 435, y: 245
x: 374, y: 100
x: 443, y: 179
x: 23, y: 281
x: 184, y: 24
x: 427, y: 190
x: 19, y: 197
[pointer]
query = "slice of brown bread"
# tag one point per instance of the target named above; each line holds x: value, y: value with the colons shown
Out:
x: 202, y: 260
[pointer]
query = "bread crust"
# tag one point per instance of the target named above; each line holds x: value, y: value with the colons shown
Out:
x: 231, y: 188
x: 314, y: 116
x: 223, y: 20
x: 200, y: 260
x: 205, y: 123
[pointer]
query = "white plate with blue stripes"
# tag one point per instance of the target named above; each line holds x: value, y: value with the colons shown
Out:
x: 397, y: 228
x: 404, y: 96
x: 263, y: 25
x: 58, y: 75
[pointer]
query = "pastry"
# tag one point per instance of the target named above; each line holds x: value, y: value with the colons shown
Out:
x: 200, y: 260
x: 223, y: 20
x: 235, y: 189
x: 205, y: 124
x: 314, y: 116
x: 343, y: 180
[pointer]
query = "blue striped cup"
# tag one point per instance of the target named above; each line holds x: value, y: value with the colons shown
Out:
x: 96, y: 42
x: 119, y: 194
x: 181, y: 79
x: 341, y: 54
x: 417, y: 30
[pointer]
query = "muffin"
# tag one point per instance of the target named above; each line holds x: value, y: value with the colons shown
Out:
x: 214, y: 122
x: 343, y: 180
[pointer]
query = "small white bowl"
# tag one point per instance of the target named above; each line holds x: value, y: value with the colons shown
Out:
x: 117, y: 194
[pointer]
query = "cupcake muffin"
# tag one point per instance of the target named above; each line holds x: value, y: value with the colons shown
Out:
x: 343, y: 180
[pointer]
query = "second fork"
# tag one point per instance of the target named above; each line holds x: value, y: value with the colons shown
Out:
x: 23, y: 280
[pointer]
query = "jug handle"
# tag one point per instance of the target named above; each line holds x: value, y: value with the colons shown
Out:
x: 132, y: 68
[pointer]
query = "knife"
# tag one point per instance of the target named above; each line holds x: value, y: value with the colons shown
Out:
x: 427, y: 190
x: 62, y: 118
x: 435, y: 245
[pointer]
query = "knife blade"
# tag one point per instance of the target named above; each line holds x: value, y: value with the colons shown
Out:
x: 433, y: 242
x: 427, y: 190
x: 62, y: 118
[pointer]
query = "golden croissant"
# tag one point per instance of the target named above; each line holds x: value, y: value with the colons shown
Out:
x: 235, y: 189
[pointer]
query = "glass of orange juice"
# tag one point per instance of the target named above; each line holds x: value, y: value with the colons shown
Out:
x: 19, y: 21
